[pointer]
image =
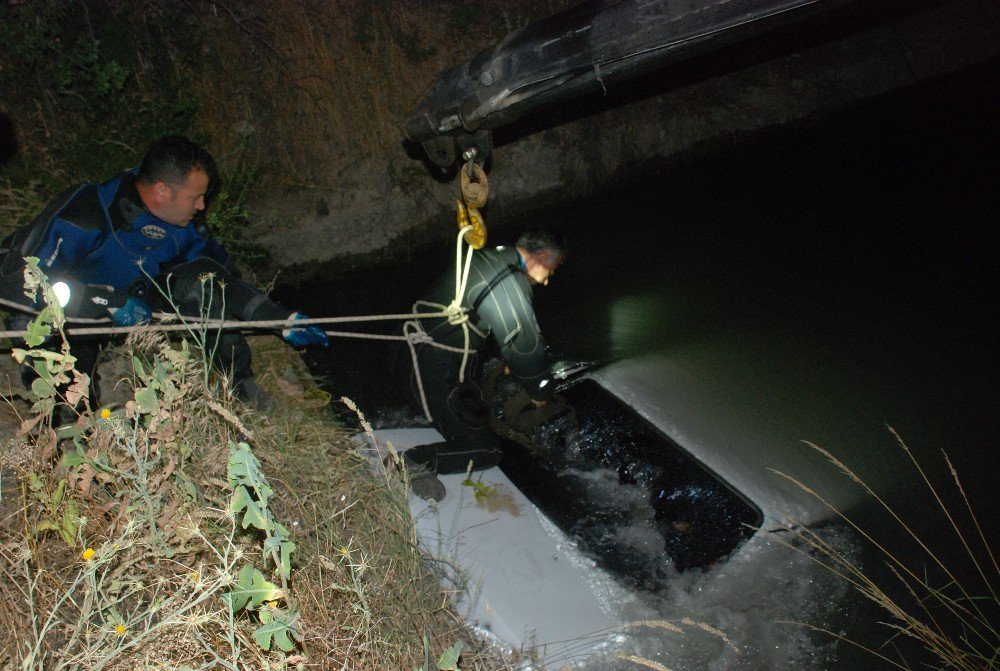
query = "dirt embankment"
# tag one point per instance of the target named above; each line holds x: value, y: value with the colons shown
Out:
x: 634, y: 131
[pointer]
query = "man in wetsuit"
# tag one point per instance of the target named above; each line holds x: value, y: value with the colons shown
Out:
x: 134, y: 239
x: 501, y: 317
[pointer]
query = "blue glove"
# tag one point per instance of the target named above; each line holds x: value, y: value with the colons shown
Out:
x: 135, y: 311
x: 304, y: 335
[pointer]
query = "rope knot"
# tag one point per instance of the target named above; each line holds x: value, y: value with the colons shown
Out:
x: 457, y: 314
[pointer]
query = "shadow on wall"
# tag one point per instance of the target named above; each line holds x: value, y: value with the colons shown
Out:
x: 8, y: 141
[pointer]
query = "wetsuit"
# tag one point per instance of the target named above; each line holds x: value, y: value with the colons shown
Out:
x: 102, y: 234
x: 498, y: 295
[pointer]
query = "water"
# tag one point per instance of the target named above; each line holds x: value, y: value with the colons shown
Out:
x: 867, y: 240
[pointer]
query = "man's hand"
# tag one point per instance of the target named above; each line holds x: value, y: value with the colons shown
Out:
x: 134, y: 312
x: 304, y: 335
x: 538, y: 404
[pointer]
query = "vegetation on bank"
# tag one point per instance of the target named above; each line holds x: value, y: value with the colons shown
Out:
x: 938, y: 592
x: 178, y: 529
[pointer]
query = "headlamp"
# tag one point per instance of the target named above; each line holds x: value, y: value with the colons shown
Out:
x: 62, y: 292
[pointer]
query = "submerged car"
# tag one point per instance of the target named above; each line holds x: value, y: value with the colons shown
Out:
x: 670, y: 463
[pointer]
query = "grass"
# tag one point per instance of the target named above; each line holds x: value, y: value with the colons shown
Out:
x: 151, y: 495
x: 943, y: 597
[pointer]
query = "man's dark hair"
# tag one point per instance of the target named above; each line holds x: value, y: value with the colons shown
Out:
x: 171, y: 159
x: 542, y: 239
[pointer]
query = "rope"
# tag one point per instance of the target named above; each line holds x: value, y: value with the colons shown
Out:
x: 414, y: 333
x: 458, y: 314
x: 411, y: 340
x: 234, y: 324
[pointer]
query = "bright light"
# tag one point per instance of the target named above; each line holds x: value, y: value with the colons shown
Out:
x: 542, y: 383
x: 61, y: 290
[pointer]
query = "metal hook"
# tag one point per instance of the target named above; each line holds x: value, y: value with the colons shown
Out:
x: 470, y: 155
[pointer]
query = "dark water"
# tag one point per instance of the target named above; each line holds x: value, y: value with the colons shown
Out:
x: 871, y: 235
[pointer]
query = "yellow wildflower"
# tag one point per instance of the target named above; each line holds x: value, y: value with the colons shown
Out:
x: 120, y: 629
x: 193, y: 576
x: 88, y: 554
x: 105, y: 413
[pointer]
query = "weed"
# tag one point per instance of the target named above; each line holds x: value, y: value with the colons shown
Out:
x: 176, y: 553
x: 948, y: 606
x: 251, y: 490
x: 228, y: 218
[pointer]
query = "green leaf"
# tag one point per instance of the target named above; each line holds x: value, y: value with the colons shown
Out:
x: 37, y: 332
x: 449, y: 658
x: 42, y: 389
x: 161, y: 375
x: 244, y: 469
x: 147, y: 400
x: 56, y: 497
x: 427, y: 654
x: 138, y: 368
x: 282, y: 551
x: 253, y: 512
x: 72, y: 458
x: 278, y: 628
x: 71, y: 521
x: 481, y: 490
x: 252, y: 588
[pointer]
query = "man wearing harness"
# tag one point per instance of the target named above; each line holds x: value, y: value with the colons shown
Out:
x: 498, y: 298
x: 134, y: 239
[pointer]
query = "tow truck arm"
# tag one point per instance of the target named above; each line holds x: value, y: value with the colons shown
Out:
x: 580, y: 50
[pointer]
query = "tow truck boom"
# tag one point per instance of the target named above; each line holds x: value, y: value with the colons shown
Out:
x: 578, y: 51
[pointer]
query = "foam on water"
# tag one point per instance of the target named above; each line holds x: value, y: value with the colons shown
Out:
x: 750, y: 599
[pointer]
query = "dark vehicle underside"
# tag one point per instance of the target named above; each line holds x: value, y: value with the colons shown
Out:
x: 584, y: 49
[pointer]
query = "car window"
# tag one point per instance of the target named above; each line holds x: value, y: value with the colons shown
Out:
x: 631, y: 497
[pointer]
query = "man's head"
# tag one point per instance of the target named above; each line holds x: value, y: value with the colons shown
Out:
x: 542, y: 252
x: 174, y: 178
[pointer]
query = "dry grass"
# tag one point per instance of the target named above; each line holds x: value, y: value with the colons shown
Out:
x: 166, y: 550
x: 323, y: 88
x: 949, y: 606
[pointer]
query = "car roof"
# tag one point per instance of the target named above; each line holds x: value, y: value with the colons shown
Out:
x: 745, y: 408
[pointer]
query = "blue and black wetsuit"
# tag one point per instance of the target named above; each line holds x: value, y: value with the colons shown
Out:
x: 102, y: 234
x: 498, y: 295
